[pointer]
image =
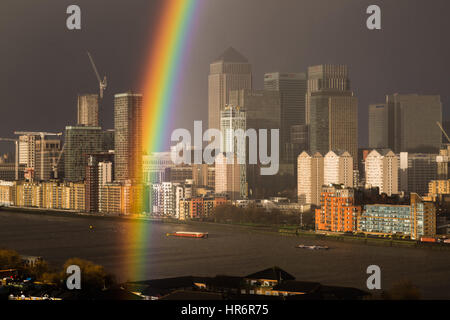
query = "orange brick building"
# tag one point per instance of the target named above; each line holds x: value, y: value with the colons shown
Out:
x: 337, y: 212
x: 200, y: 207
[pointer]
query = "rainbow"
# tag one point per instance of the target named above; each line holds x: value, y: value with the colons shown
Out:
x: 162, y: 76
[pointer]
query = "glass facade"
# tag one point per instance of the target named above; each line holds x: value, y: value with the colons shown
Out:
x: 393, y: 219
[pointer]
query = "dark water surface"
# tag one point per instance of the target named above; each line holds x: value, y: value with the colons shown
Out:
x: 229, y: 250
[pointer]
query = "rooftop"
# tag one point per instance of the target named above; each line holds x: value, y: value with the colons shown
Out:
x: 232, y: 55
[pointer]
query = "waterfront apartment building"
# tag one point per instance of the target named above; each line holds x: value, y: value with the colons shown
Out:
x: 66, y: 196
x: 98, y: 172
x: 51, y: 195
x: 7, y: 193
x: 198, y: 208
x: 111, y: 198
x: 79, y: 142
x: 338, y: 168
x: 227, y: 176
x: 133, y: 198
x: 416, y: 171
x: 310, y: 177
x: 415, y: 220
x: 231, y: 71
x: 88, y: 110
x: 165, y: 199
x: 381, y: 170
x: 29, y: 194
x: 338, y: 211
x: 331, y: 110
x: 128, y: 137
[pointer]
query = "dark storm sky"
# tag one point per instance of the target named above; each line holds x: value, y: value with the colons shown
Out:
x: 43, y: 66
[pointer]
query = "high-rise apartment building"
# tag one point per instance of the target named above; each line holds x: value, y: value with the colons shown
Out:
x: 111, y: 198
x: 233, y: 127
x: 98, y: 173
x: 7, y: 193
x: 227, y: 176
x: 230, y: 71
x: 27, y: 151
x: 105, y: 173
x: 165, y: 199
x: 331, y: 110
x: 128, y: 136
x: 310, y: 177
x: 88, y: 110
x: 43, y: 169
x: 292, y: 90
x: 79, y: 142
x: 443, y: 163
x: 338, y: 168
x: 381, y: 169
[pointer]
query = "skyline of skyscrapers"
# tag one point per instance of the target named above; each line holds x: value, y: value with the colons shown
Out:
x: 316, y: 113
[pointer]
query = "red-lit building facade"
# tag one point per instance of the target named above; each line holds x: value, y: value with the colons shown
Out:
x: 200, y: 207
x: 337, y: 212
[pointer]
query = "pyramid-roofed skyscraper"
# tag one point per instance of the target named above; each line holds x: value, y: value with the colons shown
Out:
x: 230, y: 71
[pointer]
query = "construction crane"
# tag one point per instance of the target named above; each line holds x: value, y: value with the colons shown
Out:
x: 102, y: 83
x: 16, y: 141
x: 443, y: 131
x: 56, y: 163
x: 42, y: 135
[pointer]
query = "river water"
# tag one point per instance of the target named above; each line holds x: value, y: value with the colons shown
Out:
x: 229, y: 251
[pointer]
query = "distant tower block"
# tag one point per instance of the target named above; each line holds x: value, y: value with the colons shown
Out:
x: 230, y: 71
x: 88, y: 110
